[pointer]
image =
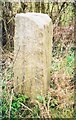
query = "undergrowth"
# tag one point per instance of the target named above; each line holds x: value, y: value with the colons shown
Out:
x: 59, y: 101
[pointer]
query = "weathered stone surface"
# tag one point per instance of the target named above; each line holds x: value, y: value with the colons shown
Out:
x: 32, y: 50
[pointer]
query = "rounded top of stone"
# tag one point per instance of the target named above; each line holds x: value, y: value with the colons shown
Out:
x: 39, y: 18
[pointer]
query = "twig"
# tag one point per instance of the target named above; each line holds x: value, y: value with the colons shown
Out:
x: 11, y: 19
x: 10, y: 102
x: 26, y: 106
x: 48, y: 104
x: 60, y: 12
x: 47, y: 110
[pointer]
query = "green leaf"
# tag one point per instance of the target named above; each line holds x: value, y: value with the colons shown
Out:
x: 52, y: 105
x: 40, y: 98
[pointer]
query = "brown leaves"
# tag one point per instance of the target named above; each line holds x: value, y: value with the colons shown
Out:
x: 66, y: 34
